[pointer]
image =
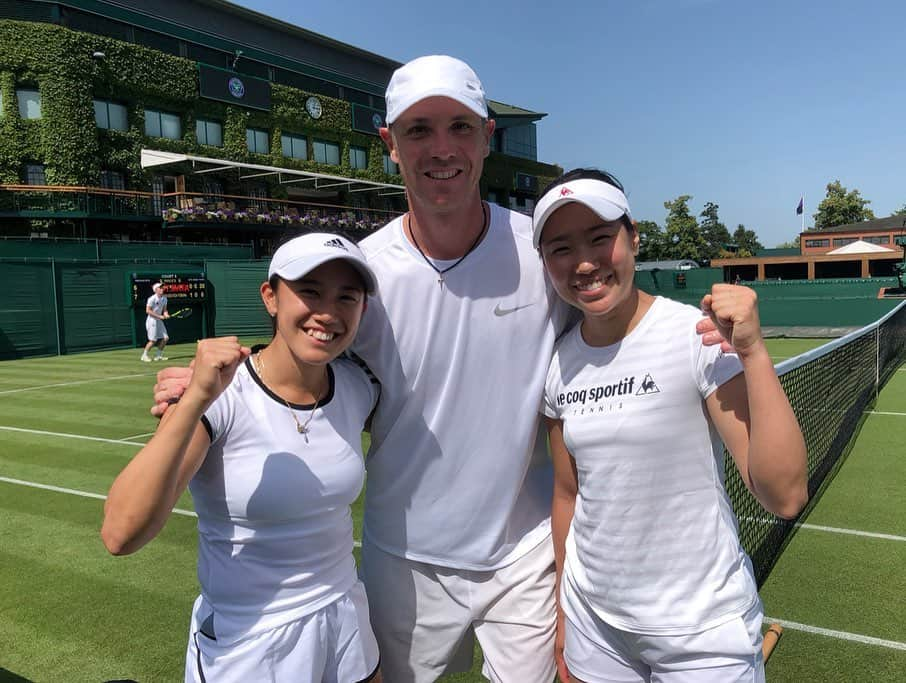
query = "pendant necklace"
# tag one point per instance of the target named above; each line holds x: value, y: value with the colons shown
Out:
x: 441, y: 272
x: 301, y: 427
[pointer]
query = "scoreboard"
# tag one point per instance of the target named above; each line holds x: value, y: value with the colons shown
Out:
x: 183, y: 288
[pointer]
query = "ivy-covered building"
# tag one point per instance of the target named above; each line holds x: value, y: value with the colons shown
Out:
x: 199, y: 120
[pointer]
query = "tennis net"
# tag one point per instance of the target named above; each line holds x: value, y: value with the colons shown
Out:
x: 829, y: 388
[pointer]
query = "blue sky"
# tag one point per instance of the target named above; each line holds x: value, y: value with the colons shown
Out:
x: 745, y: 104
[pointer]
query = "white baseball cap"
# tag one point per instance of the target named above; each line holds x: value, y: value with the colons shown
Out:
x: 434, y: 76
x: 156, y: 286
x: 303, y: 254
x: 606, y: 200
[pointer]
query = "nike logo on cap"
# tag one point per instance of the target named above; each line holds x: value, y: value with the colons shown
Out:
x: 499, y: 312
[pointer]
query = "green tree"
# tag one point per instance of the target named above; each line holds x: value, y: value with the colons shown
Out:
x: 900, y: 212
x: 841, y: 207
x: 747, y: 243
x: 684, y: 239
x: 791, y: 244
x: 714, y: 232
x: 652, y: 241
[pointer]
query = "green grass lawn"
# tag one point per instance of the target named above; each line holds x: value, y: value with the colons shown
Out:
x: 71, y: 612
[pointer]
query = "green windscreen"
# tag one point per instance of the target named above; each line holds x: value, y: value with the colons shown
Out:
x: 234, y: 298
x: 27, y: 321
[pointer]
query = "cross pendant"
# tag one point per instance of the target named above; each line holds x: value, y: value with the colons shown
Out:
x: 440, y: 281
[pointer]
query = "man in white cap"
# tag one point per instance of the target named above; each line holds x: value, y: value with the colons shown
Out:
x: 457, y: 507
x: 156, y: 310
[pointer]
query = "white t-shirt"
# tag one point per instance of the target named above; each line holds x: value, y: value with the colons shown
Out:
x: 275, y: 530
x: 653, y: 546
x: 456, y: 477
x: 157, y: 304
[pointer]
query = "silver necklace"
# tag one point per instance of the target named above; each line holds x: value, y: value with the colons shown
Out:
x: 440, y: 272
x: 301, y: 427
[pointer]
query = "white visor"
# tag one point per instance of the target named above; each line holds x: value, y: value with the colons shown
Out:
x: 607, y: 201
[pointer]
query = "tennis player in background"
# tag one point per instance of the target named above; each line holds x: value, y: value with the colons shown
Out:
x: 269, y: 444
x: 653, y: 582
x: 156, y: 308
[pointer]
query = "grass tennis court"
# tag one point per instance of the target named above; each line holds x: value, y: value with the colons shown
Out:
x: 71, y: 612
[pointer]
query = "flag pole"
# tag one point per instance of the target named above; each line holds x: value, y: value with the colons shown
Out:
x: 803, y: 215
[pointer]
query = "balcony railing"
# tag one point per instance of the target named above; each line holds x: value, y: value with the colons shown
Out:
x: 188, y: 207
x: 56, y: 201
x: 176, y: 209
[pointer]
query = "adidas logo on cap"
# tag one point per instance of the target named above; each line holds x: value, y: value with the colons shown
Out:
x: 336, y: 242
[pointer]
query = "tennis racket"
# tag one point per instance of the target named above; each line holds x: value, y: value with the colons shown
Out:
x: 181, y: 313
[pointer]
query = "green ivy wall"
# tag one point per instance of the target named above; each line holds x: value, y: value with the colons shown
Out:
x: 66, y: 140
x: 58, y: 62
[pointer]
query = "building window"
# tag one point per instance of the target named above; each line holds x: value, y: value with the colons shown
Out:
x: 257, y: 141
x: 326, y: 152
x: 878, y: 239
x: 159, y: 124
x: 519, y: 141
x: 206, y: 55
x: 294, y: 146
x: 113, y: 180
x: 358, y: 157
x: 110, y: 115
x: 29, y: 104
x: 843, y: 241
x: 811, y: 244
x: 209, y: 133
x: 390, y: 167
x: 34, y: 174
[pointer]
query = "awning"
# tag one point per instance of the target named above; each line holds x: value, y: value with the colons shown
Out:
x: 861, y: 247
x: 151, y: 158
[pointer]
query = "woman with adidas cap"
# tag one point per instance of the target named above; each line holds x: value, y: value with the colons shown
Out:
x: 653, y: 582
x: 269, y: 445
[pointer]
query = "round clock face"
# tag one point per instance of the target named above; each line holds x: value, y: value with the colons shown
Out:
x: 313, y: 107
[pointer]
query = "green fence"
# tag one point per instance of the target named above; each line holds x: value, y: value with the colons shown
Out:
x: 110, y: 250
x: 795, y: 304
x: 56, y: 306
x: 235, y: 305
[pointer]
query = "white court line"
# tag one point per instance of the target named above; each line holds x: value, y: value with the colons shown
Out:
x: 72, y: 384
x: 139, y: 436
x: 842, y: 635
x: 851, y: 532
x: 98, y: 496
x: 830, y: 529
x: 74, y: 492
x: 70, y: 436
x: 881, y: 412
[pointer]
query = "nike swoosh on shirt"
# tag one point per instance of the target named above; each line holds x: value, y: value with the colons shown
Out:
x: 506, y: 311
